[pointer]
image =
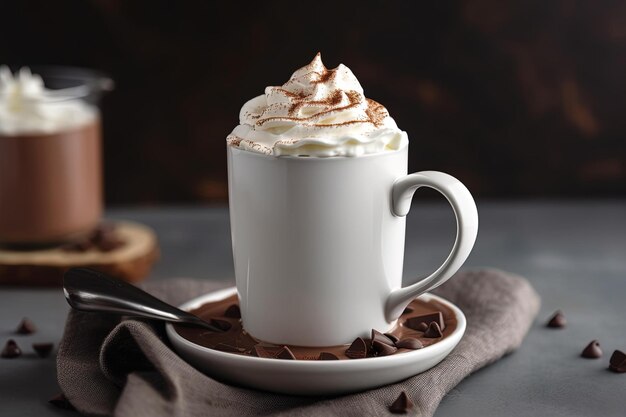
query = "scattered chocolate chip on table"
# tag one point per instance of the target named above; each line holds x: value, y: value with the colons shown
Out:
x: 11, y: 350
x: 557, y: 321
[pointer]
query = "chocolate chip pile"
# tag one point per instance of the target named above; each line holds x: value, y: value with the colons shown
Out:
x: 104, y: 239
x: 422, y: 323
x: 383, y: 344
x: 617, y: 362
x: 12, y: 350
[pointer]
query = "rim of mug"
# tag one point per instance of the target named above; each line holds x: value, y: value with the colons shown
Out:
x: 320, y: 158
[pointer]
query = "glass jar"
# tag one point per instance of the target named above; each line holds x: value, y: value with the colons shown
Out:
x: 50, y: 154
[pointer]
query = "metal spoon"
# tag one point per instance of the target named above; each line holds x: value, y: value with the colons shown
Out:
x: 89, y: 290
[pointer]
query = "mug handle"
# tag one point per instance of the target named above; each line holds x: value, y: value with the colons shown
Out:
x: 466, y: 215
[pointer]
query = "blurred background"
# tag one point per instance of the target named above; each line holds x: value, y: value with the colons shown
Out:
x: 516, y: 98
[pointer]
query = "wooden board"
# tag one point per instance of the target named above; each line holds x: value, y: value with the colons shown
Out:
x: 130, y: 260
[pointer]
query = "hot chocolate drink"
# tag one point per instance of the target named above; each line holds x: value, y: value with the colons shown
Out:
x: 50, y: 162
x: 318, y: 190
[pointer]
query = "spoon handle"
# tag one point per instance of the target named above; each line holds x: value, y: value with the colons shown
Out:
x: 89, y: 290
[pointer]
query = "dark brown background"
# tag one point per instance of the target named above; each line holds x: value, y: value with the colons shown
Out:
x: 517, y: 98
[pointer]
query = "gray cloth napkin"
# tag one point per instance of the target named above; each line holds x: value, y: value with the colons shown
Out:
x: 107, y: 367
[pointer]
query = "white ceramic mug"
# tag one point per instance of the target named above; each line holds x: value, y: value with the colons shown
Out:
x: 318, y: 243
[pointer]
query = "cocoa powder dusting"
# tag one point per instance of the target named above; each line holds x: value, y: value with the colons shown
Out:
x: 233, y: 141
x: 325, y: 76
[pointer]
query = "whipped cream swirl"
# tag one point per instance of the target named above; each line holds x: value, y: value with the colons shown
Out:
x: 319, y: 112
x: 27, y: 106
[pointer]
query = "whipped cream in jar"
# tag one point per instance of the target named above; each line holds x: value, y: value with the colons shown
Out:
x: 50, y: 155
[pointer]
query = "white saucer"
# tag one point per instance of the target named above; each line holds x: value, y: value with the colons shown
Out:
x: 312, y: 377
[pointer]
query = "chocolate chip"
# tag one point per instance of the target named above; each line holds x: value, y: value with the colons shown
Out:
x: 43, y: 350
x: 26, y: 327
x: 11, y: 350
x: 233, y: 312
x: 83, y: 246
x: 224, y: 347
x: 433, y: 331
x: 61, y: 401
x: 357, y: 350
x: 285, y: 353
x: 379, y: 337
x: 393, y: 338
x: 401, y: 405
x: 421, y: 327
x: 617, y: 363
x: 592, y: 351
x: 415, y: 323
x: 327, y: 356
x: 110, y: 245
x: 383, y: 349
x: 409, y: 343
x: 103, y: 232
x: 221, y: 324
x: 105, y: 238
x: 557, y: 321
x: 262, y: 352
x: 407, y: 310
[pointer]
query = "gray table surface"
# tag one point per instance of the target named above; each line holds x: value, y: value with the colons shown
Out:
x: 574, y: 253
